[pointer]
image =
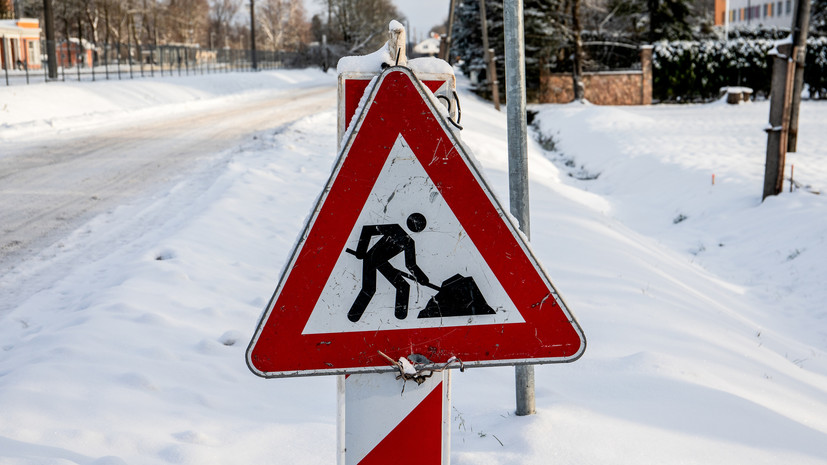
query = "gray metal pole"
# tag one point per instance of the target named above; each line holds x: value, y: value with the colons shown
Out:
x: 518, y: 158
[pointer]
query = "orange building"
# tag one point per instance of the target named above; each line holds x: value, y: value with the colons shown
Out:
x: 74, y: 53
x: 19, y: 43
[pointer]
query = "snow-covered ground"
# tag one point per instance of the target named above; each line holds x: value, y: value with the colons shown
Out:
x: 703, y: 307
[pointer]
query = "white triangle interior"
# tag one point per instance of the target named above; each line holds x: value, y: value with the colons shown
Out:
x: 443, y: 249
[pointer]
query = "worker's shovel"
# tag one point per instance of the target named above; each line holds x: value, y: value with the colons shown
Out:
x: 458, y: 296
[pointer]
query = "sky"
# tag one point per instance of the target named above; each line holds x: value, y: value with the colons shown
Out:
x: 421, y: 15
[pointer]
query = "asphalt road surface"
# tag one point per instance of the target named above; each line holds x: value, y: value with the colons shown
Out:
x: 51, y: 188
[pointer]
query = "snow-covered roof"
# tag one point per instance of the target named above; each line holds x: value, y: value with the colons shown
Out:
x: 24, y: 27
x: 85, y: 43
x: 429, y: 46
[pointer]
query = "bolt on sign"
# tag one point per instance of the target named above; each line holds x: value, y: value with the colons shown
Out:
x: 408, y: 254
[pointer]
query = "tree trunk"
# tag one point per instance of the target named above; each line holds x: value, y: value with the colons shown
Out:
x: 577, y: 65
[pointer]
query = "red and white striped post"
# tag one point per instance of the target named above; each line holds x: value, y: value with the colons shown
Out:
x: 379, y: 423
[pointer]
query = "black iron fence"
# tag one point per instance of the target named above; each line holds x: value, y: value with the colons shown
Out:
x: 83, y: 61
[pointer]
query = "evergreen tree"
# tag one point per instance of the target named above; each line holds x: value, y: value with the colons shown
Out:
x: 466, y: 39
x: 546, y: 31
x: 627, y: 19
x: 671, y: 21
x: 651, y: 20
x: 818, y: 17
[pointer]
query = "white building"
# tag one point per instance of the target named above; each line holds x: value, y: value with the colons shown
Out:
x: 19, y: 43
x: 429, y: 46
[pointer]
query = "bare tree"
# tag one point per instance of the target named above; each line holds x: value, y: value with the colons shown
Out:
x: 68, y: 13
x: 284, y: 24
x: 28, y: 8
x: 6, y: 9
x: 222, y: 16
x: 91, y: 14
x: 360, y: 25
x: 186, y: 21
x: 151, y: 12
x: 203, y: 22
x: 106, y: 8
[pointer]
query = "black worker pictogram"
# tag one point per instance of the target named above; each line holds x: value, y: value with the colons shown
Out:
x: 458, y: 295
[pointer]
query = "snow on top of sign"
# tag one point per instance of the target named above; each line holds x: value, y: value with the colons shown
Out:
x: 372, y: 62
x: 430, y: 65
x: 425, y: 68
x: 395, y: 26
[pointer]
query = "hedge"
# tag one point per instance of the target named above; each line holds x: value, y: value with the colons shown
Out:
x: 691, y: 71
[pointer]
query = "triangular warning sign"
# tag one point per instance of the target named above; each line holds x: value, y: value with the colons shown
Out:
x: 408, y: 252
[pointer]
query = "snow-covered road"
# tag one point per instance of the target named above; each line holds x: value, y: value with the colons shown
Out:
x: 51, y: 186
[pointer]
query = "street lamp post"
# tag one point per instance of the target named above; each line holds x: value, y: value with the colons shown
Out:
x: 51, y: 51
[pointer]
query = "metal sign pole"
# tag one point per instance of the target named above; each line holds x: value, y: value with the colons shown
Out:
x: 518, y: 160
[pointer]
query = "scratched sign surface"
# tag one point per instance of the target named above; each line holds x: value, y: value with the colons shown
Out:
x: 408, y: 252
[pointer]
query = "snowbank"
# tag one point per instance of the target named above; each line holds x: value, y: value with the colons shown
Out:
x: 703, y: 307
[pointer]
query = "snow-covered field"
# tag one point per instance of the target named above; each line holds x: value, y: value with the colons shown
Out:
x: 703, y: 307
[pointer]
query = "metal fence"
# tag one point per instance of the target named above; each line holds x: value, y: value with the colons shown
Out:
x: 83, y: 61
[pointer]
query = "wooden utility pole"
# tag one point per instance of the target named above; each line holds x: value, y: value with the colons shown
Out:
x: 781, y: 88
x: 445, y: 50
x: 489, y: 59
x: 785, y: 100
x: 800, y: 31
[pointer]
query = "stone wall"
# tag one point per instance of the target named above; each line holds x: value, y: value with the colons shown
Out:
x: 603, y: 88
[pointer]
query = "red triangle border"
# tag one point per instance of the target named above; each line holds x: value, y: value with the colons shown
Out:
x: 399, y: 105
